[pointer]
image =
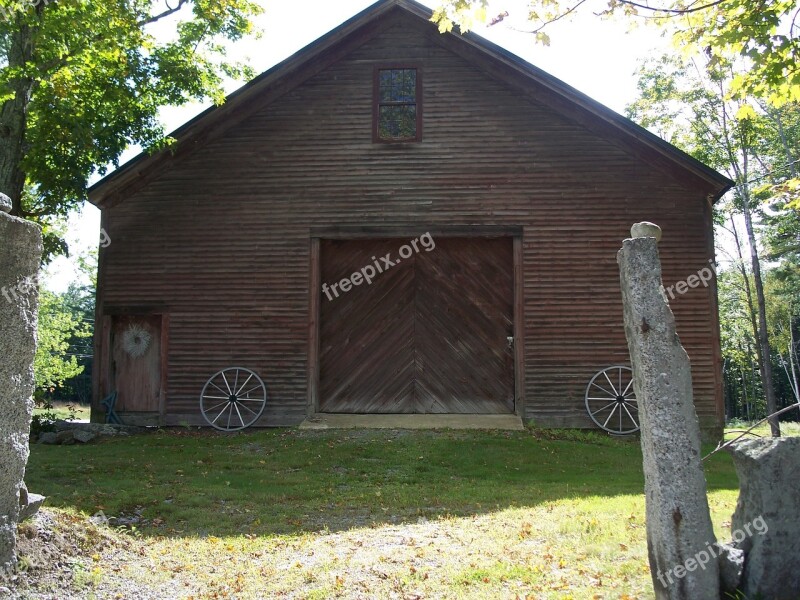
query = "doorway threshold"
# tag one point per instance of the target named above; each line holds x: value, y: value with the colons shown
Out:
x: 402, y: 421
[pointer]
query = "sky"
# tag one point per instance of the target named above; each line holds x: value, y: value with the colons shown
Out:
x: 597, y: 56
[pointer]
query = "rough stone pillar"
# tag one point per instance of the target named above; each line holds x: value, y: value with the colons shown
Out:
x: 766, y: 523
x: 20, y: 253
x: 680, y: 538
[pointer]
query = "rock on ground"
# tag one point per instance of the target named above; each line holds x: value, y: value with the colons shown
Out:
x: 29, y: 504
x: 47, y: 437
x: 83, y: 436
x: 766, y: 523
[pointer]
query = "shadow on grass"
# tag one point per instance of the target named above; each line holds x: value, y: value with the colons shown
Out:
x: 287, y: 481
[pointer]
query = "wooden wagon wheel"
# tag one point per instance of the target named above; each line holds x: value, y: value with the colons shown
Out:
x: 611, y: 400
x: 233, y: 399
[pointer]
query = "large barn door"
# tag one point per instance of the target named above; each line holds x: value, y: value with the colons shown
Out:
x: 428, y: 335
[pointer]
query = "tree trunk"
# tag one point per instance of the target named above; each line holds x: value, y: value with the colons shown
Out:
x: 13, y: 120
x: 763, y: 334
x: 751, y: 309
x: 790, y: 160
x: 793, y: 322
x: 746, y: 398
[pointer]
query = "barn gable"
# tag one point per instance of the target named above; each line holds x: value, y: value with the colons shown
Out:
x: 491, y: 59
x: 525, y: 186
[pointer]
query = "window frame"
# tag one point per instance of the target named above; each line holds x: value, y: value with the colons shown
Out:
x: 376, y: 103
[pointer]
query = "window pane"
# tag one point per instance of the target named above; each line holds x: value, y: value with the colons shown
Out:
x: 397, y: 122
x: 397, y: 85
x: 408, y: 90
x: 385, y: 85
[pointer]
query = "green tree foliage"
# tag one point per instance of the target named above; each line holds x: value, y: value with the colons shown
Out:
x: 691, y: 106
x: 783, y: 214
x: 58, y: 327
x: 80, y: 301
x: 743, y: 390
x: 62, y: 365
x: 764, y: 33
x: 81, y: 80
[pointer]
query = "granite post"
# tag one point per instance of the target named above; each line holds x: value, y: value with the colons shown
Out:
x: 20, y: 254
x: 680, y: 536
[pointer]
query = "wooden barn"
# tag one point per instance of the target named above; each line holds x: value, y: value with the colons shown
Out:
x: 394, y: 221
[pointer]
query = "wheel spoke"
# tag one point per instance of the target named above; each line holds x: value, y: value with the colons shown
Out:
x: 226, y: 398
x: 255, y: 387
x: 627, y: 387
x: 219, y: 388
x: 227, y: 385
x: 239, y: 389
x: 224, y: 408
x: 611, y: 384
x: 613, y: 410
x: 247, y: 408
x: 239, y: 413
x: 611, y: 395
x: 255, y: 401
x: 612, y: 403
x: 216, y: 406
x: 629, y: 415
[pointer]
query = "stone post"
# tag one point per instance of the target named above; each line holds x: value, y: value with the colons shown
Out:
x: 20, y: 253
x: 680, y: 538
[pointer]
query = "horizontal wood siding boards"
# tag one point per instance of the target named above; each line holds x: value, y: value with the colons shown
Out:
x: 221, y: 240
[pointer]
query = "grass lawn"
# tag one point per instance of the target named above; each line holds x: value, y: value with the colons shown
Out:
x: 317, y: 514
x: 788, y: 429
x: 65, y: 411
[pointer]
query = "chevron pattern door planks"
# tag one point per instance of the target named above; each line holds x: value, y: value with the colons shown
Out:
x: 428, y: 335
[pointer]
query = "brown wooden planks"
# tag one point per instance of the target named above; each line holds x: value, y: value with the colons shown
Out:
x: 428, y: 335
x: 137, y: 378
x: 463, y: 314
x: 366, y: 333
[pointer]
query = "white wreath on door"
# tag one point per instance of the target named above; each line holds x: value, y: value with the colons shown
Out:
x: 136, y: 340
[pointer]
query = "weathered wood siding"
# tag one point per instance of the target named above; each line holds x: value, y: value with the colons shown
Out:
x: 221, y: 242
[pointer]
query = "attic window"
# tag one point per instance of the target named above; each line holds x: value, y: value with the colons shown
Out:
x: 397, y: 106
